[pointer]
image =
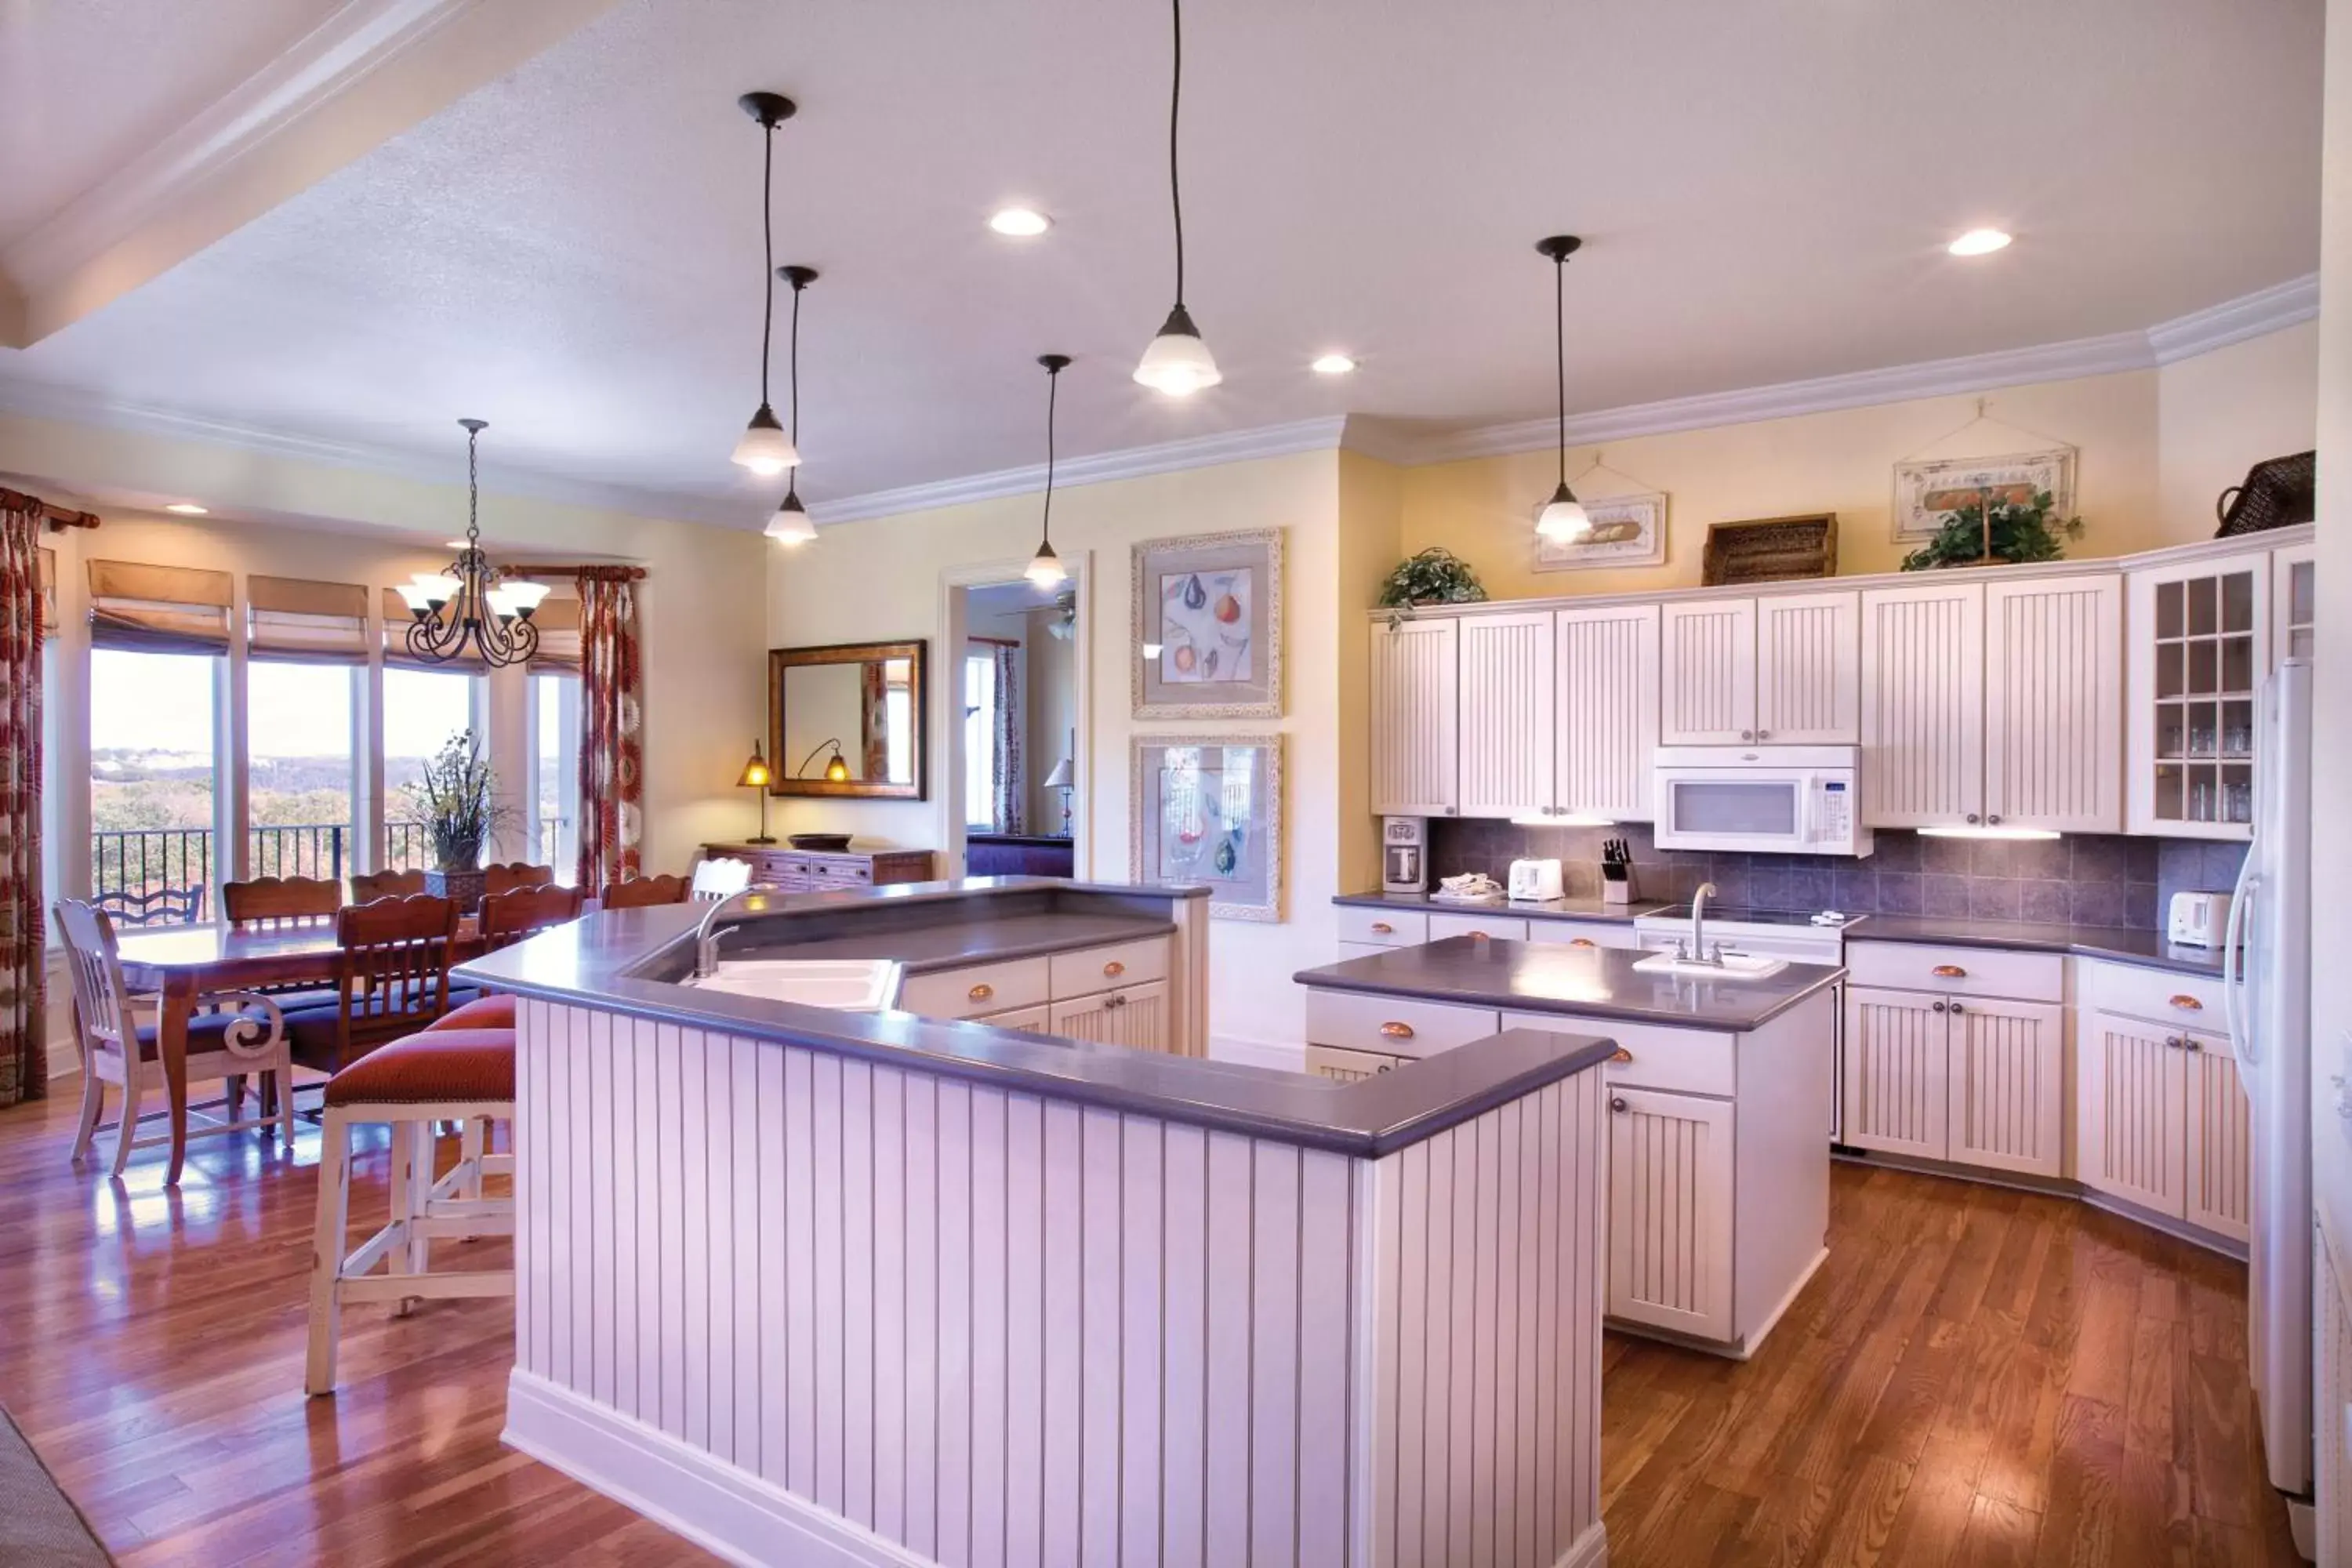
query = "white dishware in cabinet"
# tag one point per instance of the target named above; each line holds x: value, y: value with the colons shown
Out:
x: 2054, y: 703
x: 1923, y: 705
x: 1670, y: 1242
x: 1505, y: 715
x: 1414, y: 708
x: 2201, y: 643
x: 1133, y: 1015
x: 1706, y: 670
x: 1606, y: 684
x: 1808, y: 669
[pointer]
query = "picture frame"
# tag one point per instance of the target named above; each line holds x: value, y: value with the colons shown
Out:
x: 1207, y: 626
x: 1628, y: 531
x: 1927, y: 491
x: 1208, y: 812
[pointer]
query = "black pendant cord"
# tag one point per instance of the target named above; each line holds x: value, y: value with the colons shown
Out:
x: 1559, y: 351
x: 1175, y: 101
x: 473, y: 489
x: 1053, y: 386
x: 793, y: 483
x: 768, y: 240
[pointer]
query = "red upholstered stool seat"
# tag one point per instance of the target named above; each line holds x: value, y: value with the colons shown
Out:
x: 437, y: 1067
x: 482, y: 1013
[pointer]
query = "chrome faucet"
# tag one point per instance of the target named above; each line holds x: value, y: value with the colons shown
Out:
x: 1698, y: 926
x: 705, y: 941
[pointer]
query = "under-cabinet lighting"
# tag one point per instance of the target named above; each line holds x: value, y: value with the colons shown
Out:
x: 1562, y: 819
x: 2016, y: 834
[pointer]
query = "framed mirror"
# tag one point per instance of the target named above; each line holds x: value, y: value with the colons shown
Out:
x: 847, y: 720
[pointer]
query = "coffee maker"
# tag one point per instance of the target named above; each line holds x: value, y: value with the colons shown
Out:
x: 1404, y: 855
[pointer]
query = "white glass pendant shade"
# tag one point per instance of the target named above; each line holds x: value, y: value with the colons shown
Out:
x: 1563, y: 519
x: 791, y: 524
x: 419, y: 602
x: 502, y: 603
x: 437, y: 587
x: 524, y: 596
x: 1045, y: 568
x: 765, y: 449
x: 1178, y: 363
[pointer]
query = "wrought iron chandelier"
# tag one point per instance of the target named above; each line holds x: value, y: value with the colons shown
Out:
x: 471, y: 601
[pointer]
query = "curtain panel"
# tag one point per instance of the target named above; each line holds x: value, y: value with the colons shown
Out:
x: 24, y: 925
x: 612, y: 727
x: 1008, y: 779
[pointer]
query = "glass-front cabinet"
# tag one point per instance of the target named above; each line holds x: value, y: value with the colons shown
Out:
x: 2294, y: 599
x: 2200, y: 636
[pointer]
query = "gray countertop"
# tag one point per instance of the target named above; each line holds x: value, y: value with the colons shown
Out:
x: 1550, y: 909
x: 2118, y: 944
x: 614, y: 960
x: 971, y: 939
x: 1598, y: 983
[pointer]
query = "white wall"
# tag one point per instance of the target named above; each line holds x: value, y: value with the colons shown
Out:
x: 2220, y: 414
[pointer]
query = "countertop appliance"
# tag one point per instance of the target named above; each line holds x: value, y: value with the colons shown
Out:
x: 2266, y: 990
x: 2199, y: 919
x: 1404, y: 854
x: 1535, y: 881
x: 1791, y: 800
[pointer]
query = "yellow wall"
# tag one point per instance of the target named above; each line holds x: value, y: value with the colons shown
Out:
x: 2155, y: 447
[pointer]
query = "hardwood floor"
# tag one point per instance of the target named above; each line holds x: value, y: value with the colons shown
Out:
x: 1977, y: 1376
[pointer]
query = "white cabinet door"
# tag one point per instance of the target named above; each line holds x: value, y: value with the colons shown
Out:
x: 1707, y: 670
x: 1133, y: 1015
x: 1413, y: 712
x: 1808, y: 669
x: 1923, y: 705
x: 2130, y: 1091
x: 2294, y: 601
x: 1670, y: 1211
x: 1506, y: 719
x: 2216, y: 1182
x: 1896, y: 1071
x: 2054, y: 703
x: 1606, y: 680
x: 2005, y: 1099
x: 2200, y: 646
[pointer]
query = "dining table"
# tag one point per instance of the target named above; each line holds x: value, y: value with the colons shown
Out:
x: 183, y: 965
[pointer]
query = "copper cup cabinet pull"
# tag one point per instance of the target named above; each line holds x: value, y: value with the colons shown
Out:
x: 2186, y: 1004
x: 981, y: 993
x: 1114, y: 969
x: 1949, y: 972
x: 1582, y: 941
x: 1622, y: 1055
x: 1382, y: 928
x: 1396, y: 1031
x: 1478, y: 936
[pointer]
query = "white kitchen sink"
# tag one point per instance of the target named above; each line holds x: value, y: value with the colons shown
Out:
x: 849, y: 985
x: 1730, y: 966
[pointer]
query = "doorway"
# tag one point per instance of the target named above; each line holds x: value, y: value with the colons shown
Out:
x: 1013, y: 680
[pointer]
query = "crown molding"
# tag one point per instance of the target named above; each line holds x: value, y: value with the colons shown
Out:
x: 2255, y: 315
x: 1134, y: 462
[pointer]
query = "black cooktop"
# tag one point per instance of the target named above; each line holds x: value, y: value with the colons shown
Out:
x: 1733, y: 915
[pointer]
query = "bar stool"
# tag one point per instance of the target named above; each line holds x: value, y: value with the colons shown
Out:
x: 460, y: 1075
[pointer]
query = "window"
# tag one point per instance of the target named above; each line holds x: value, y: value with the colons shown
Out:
x: 979, y: 741
x: 555, y: 764
x: 155, y: 775
x: 300, y: 761
x: 423, y: 708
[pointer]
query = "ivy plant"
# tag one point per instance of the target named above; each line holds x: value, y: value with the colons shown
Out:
x: 1435, y: 576
x: 2021, y: 532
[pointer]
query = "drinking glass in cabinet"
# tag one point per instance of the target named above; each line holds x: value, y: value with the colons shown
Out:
x: 2237, y: 796
x: 2201, y: 797
x: 2201, y: 733
x: 2168, y: 730
x: 2238, y: 729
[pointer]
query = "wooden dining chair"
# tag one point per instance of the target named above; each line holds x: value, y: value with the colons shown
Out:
x: 274, y: 903
x: 246, y: 1037
x: 642, y: 893
x: 509, y: 917
x: 163, y: 907
x: 514, y: 874
x: 392, y: 978
x: 367, y: 887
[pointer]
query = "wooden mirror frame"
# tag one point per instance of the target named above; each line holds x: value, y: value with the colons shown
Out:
x: 780, y: 659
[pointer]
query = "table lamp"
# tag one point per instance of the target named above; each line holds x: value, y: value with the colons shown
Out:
x: 756, y: 776
x: 1060, y: 779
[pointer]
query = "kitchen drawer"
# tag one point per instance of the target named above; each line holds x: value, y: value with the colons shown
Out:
x: 1383, y: 928
x: 1348, y: 1067
x: 1585, y: 933
x: 1391, y: 1025
x: 1683, y: 1061
x: 1501, y: 927
x: 2190, y: 1001
x: 1958, y: 971
x: 1037, y: 1019
x: 977, y: 990
x: 1095, y: 968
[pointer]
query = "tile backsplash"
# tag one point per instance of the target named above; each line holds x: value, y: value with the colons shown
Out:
x: 2099, y: 879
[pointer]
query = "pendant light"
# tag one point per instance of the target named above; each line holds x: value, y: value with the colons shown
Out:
x: 470, y: 602
x: 1562, y: 518
x: 1178, y: 362
x: 1045, y: 568
x: 791, y: 525
x: 765, y: 449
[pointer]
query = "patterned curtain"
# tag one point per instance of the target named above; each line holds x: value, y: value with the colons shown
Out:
x: 1008, y: 779
x: 612, y: 727
x: 24, y: 924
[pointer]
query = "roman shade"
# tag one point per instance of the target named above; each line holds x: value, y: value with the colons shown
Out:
x: 158, y: 609
x: 288, y: 618
x: 49, y: 620
x: 558, y: 621
x: 397, y: 619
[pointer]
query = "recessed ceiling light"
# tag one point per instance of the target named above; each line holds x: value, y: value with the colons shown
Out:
x: 1021, y: 223
x: 1333, y: 364
x: 187, y: 508
x: 1978, y: 242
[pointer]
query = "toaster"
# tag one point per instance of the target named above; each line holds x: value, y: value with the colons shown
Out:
x: 1535, y: 881
x: 2198, y: 919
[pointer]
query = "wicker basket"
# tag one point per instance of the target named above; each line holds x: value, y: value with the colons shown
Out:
x: 1769, y: 550
x: 2279, y: 492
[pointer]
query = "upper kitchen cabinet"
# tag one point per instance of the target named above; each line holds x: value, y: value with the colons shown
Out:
x: 1416, y: 709
x: 1923, y: 704
x: 1606, y: 682
x: 2294, y: 600
x: 2053, y: 728
x: 2201, y: 643
x: 1506, y: 714
x: 1782, y: 671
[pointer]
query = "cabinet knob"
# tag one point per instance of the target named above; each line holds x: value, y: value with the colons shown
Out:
x: 2190, y: 1043
x: 981, y: 992
x: 1747, y: 735
x: 1936, y: 1007
x: 1993, y: 820
x: 1955, y: 1007
x: 1948, y: 972
x: 1395, y: 1031
x: 1111, y: 1002
x: 1972, y: 817
x: 1763, y: 734
x: 1618, y: 1106
x: 2186, y: 1004
x: 1582, y: 941
x: 1382, y: 928
x: 1620, y: 1055
x: 1114, y: 969
x: 2172, y: 1042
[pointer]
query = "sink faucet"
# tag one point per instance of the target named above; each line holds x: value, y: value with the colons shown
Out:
x: 706, y: 940
x: 1698, y: 926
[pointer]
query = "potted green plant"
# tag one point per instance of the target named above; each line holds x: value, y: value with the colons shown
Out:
x: 456, y: 796
x: 2015, y: 531
x: 1435, y: 576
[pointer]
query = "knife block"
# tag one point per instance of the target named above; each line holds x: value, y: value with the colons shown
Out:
x: 1617, y: 890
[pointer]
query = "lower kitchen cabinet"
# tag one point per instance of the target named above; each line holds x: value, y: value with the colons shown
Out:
x: 2164, y: 1122
x: 1976, y: 1080
x: 1670, y: 1242
x: 1132, y: 1016
x: 1894, y: 1072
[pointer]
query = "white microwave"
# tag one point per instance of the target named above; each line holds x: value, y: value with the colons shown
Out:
x: 1790, y: 800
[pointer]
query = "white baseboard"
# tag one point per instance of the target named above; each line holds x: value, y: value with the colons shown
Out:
x: 1272, y: 1054
x: 1590, y: 1550
x: 710, y: 1502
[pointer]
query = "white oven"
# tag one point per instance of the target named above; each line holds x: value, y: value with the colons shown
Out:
x: 1791, y: 800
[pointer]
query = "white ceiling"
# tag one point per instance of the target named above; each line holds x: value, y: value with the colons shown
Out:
x: 573, y: 252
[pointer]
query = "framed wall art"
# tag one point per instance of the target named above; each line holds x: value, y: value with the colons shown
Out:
x: 1926, y: 492
x: 1208, y: 813
x: 1627, y: 531
x: 1208, y: 627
